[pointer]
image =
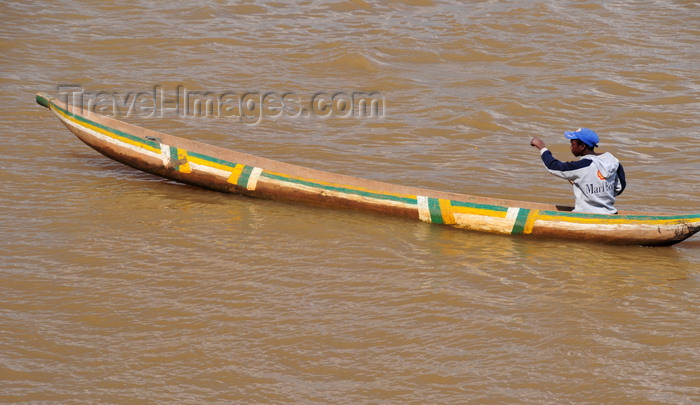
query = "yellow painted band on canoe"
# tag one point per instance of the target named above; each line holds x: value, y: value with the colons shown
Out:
x: 447, y: 211
x: 183, y: 157
x: 530, y: 222
x: 236, y: 174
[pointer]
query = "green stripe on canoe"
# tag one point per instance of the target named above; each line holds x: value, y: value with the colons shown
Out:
x: 174, y: 157
x: 520, y: 221
x: 362, y: 193
x: 245, y: 176
x: 435, y: 211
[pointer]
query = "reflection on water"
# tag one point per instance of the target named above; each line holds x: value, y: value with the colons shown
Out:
x: 119, y: 287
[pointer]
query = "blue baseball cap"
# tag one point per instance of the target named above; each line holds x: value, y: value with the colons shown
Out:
x: 585, y: 135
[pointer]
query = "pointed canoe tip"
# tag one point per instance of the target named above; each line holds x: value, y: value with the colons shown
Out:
x: 43, y: 99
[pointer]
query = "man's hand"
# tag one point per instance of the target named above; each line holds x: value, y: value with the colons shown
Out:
x: 537, y: 143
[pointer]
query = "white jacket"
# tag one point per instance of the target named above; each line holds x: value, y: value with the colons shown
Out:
x: 597, y: 180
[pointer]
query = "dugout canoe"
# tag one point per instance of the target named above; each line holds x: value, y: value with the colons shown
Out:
x: 229, y: 171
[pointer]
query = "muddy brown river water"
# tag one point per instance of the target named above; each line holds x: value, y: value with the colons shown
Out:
x: 120, y: 287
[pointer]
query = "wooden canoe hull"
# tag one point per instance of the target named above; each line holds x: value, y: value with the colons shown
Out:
x: 234, y: 172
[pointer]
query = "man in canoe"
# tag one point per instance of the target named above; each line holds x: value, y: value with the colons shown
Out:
x: 597, y: 177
